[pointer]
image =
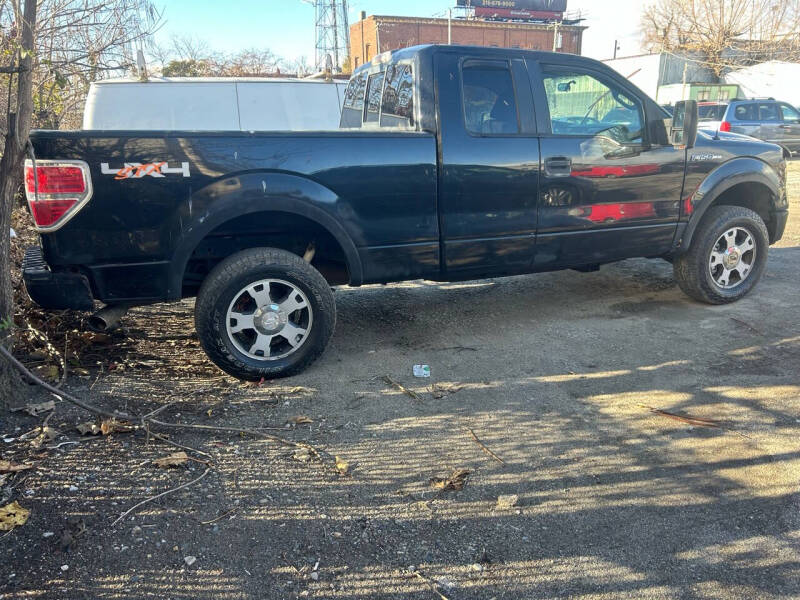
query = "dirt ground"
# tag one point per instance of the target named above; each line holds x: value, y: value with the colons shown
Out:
x: 542, y: 388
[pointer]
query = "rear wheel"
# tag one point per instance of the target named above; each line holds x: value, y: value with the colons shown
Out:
x: 727, y: 257
x: 264, y: 313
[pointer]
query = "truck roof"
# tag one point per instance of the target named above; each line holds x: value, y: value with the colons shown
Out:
x: 174, y: 80
x: 489, y: 52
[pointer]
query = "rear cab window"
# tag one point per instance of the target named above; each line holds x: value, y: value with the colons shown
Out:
x: 490, y: 106
x: 381, y: 96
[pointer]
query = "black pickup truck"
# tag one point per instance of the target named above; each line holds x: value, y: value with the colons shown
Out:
x: 452, y: 163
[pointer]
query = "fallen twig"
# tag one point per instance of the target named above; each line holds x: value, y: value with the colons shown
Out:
x: 161, y: 495
x: 144, y: 423
x: 62, y: 394
x: 166, y: 440
x: 401, y: 388
x: 219, y: 518
x: 696, y: 421
x: 484, y: 448
x: 746, y: 324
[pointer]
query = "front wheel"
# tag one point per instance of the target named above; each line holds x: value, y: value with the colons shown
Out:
x: 727, y: 257
x: 264, y: 313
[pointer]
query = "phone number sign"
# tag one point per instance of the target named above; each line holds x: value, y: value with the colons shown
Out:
x: 534, y: 5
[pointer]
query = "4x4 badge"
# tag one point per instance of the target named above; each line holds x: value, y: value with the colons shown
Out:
x: 139, y: 170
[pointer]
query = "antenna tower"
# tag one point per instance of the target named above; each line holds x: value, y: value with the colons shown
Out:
x: 332, y: 34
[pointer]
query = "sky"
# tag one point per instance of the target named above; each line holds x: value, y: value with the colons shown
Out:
x: 287, y: 26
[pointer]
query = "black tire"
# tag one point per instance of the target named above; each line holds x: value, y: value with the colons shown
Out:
x: 224, y: 285
x: 692, y: 269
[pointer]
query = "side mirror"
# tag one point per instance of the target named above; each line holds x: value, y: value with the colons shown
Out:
x: 684, y: 124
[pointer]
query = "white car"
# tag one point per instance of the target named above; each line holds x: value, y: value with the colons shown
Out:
x: 214, y: 104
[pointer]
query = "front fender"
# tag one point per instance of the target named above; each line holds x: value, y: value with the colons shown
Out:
x: 732, y: 173
x: 249, y: 193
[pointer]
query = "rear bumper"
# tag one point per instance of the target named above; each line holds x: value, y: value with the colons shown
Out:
x: 54, y: 291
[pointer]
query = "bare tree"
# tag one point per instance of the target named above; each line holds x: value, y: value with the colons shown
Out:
x: 187, y: 56
x: 724, y: 33
x: 53, y: 50
x: 18, y: 125
x: 253, y: 62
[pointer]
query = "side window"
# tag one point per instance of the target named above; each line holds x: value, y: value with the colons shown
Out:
x: 398, y: 97
x: 580, y: 104
x: 353, y: 107
x: 746, y: 112
x: 490, y: 107
x: 374, y: 96
x: 790, y: 115
x: 769, y: 112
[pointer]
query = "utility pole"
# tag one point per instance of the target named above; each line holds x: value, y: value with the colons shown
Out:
x: 555, y: 36
x: 617, y: 47
x: 450, y: 27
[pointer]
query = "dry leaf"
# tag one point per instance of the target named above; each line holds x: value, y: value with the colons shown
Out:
x: 89, y: 429
x: 13, y: 515
x: 110, y: 426
x: 48, y: 434
x: 9, y: 467
x: 302, y: 455
x: 300, y: 420
x: 106, y: 427
x: 47, y: 372
x: 37, y: 409
x: 342, y: 466
x: 96, y: 338
x: 455, y: 482
x: 173, y: 460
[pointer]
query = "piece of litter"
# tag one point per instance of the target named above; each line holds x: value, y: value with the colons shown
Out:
x: 48, y: 534
x: 315, y: 575
x: 506, y: 502
x: 13, y: 233
x: 423, y: 371
x: 65, y: 567
x: 189, y: 560
x: 73, y: 488
x: 445, y: 583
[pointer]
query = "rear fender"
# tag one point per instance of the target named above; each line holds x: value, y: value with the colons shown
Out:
x: 249, y: 193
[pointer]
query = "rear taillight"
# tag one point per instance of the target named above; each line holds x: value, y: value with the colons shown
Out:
x: 56, y: 191
x: 725, y: 126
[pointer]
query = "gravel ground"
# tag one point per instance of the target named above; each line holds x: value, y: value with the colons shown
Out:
x: 542, y: 389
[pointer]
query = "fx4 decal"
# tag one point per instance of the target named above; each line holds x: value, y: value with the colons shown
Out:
x: 139, y: 170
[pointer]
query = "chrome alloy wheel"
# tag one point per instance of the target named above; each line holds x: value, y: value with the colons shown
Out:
x: 733, y: 258
x: 269, y: 320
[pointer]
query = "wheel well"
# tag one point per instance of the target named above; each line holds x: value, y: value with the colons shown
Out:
x: 293, y: 233
x: 755, y: 196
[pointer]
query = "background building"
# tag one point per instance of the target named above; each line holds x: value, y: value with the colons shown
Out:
x: 668, y: 77
x: 375, y: 34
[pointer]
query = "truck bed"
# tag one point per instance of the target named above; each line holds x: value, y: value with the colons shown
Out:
x: 156, y: 194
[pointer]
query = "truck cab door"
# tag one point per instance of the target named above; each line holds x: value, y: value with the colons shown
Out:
x: 489, y: 165
x: 607, y: 190
x: 790, y: 128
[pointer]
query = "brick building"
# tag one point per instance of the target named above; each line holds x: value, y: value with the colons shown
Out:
x: 375, y: 34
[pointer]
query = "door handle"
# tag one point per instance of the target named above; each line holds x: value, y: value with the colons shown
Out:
x: 558, y: 166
